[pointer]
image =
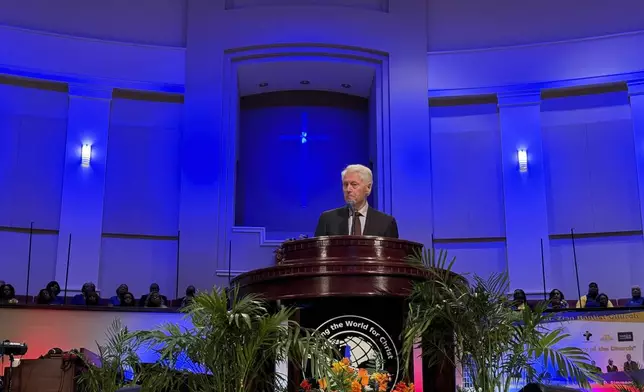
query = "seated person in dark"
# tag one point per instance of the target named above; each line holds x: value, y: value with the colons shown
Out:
x: 519, y: 301
x: 636, y: 300
x: 154, y: 288
x: 630, y: 365
x: 92, y: 299
x: 54, y: 289
x: 8, y: 295
x: 120, y: 292
x: 611, y: 368
x: 556, y: 300
x: 81, y: 299
x: 190, y: 296
x: 128, y: 300
x: 154, y: 300
x: 44, y: 297
x: 603, y: 300
x: 591, y: 299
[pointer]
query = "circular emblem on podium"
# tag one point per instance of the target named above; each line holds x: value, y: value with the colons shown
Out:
x: 364, y: 342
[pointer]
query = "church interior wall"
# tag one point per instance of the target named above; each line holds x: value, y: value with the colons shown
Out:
x: 166, y: 175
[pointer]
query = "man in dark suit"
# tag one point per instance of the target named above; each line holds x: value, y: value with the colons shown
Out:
x: 357, y: 217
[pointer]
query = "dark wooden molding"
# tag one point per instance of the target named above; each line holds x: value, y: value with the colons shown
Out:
x: 471, y: 240
x: 337, y: 266
x: 584, y: 90
x: 303, y: 98
x: 83, y: 308
x: 34, y: 83
x: 141, y: 236
x: 605, y: 234
x: 152, y: 96
x: 464, y: 100
x: 27, y: 230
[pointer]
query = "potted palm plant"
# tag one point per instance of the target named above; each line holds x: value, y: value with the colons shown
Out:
x: 114, y: 367
x: 495, y: 345
x: 231, y: 345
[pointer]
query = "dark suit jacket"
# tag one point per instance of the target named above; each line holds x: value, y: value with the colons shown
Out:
x: 336, y: 222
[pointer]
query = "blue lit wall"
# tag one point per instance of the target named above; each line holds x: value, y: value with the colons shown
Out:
x: 164, y: 185
x: 290, y: 159
x: 467, y: 185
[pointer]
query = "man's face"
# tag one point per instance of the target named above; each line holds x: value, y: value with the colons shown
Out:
x: 355, y: 189
x: 593, y: 290
x: 636, y: 292
x: 628, y: 357
x: 6, y: 291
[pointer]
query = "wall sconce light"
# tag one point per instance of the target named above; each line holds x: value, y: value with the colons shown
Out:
x: 522, y: 155
x: 86, y: 155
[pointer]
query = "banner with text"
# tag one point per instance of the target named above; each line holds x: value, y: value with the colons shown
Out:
x: 616, y: 335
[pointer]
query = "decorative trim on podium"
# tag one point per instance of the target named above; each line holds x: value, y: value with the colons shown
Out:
x: 232, y: 274
x: 261, y: 231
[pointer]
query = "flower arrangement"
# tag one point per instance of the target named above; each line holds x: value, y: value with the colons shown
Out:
x: 344, y: 378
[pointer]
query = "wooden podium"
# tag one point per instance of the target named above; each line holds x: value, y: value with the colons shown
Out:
x: 352, y: 289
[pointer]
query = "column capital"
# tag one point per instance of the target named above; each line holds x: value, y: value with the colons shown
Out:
x: 635, y: 87
x: 519, y: 98
x: 89, y: 90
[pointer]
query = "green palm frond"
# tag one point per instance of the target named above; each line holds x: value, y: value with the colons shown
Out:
x: 232, y: 346
x: 116, y: 356
x: 472, y: 324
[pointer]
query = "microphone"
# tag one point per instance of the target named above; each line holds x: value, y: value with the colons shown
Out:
x: 351, y: 205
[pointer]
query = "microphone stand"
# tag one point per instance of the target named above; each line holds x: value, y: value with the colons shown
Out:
x: 230, y: 261
x: 10, y: 376
x: 543, y: 272
x: 69, y: 252
x: 176, y: 295
x: 574, y: 256
x: 31, y: 236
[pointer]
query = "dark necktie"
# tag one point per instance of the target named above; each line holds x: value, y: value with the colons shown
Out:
x: 356, y: 226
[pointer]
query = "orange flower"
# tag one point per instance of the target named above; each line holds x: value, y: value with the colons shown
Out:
x: 342, y: 365
x: 356, y: 387
x: 403, y: 387
x: 338, y: 367
x: 363, y: 375
x: 382, y: 379
x: 322, y: 383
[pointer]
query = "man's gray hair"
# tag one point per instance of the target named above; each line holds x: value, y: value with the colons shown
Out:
x: 363, y: 171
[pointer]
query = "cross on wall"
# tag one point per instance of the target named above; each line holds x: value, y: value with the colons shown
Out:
x: 303, y: 139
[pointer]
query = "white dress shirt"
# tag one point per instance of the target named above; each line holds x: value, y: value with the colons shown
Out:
x: 362, y: 217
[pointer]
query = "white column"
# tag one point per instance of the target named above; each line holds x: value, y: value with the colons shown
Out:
x: 526, y: 213
x: 81, y: 213
x: 636, y: 95
x: 203, y: 182
x: 409, y: 139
